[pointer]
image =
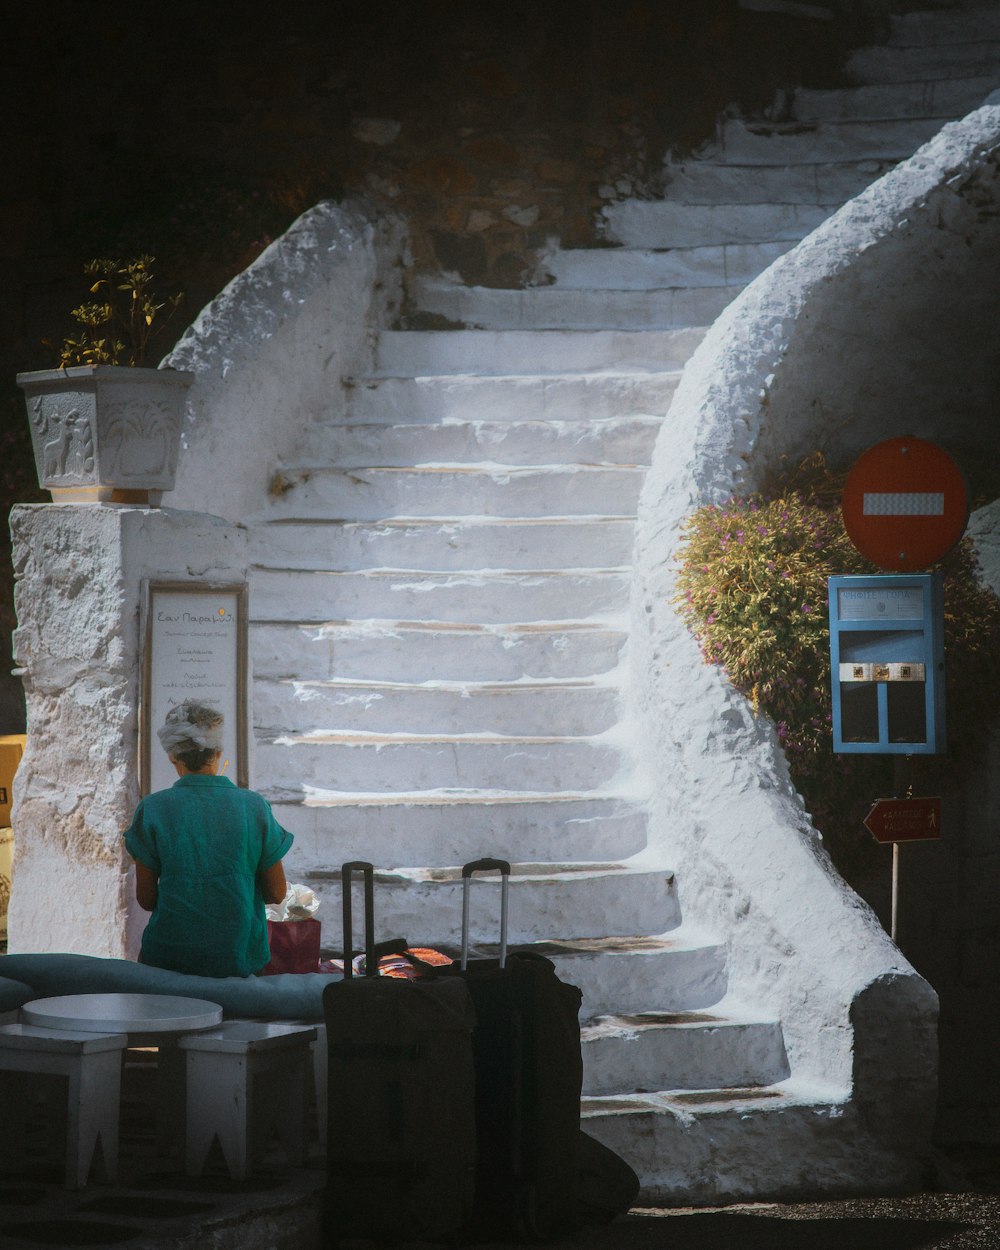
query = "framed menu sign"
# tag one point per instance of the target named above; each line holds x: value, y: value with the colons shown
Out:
x: 195, y: 647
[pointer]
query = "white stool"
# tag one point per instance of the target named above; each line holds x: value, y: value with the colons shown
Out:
x: 93, y: 1064
x: 221, y: 1070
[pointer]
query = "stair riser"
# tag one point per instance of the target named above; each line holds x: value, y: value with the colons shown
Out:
x: 575, y: 398
x: 681, y: 979
x: 944, y: 100
x: 847, y: 141
x: 889, y: 65
x: 627, y: 441
x: 431, y: 912
x: 684, y: 1057
x: 809, y: 183
x: 373, y: 494
x: 301, y: 707
x: 698, y: 1156
x: 455, y: 833
x: 731, y: 266
x: 315, y: 652
x: 394, y: 767
x: 462, y: 597
x: 412, y: 354
x: 547, y: 308
x: 454, y: 546
x: 665, y: 223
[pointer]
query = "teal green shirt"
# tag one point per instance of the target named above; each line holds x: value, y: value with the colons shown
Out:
x: 207, y: 840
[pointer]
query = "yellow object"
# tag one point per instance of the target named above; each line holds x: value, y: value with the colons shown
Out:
x: 11, y: 749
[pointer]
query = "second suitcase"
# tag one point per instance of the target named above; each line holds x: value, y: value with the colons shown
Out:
x: 529, y: 1074
x: 401, y: 1141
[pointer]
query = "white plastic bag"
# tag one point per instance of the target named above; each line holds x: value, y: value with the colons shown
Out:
x: 299, y: 903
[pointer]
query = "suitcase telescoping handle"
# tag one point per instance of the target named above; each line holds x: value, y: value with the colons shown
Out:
x: 485, y: 865
x: 346, y: 873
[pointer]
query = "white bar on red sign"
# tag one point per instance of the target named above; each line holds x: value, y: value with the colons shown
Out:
x: 904, y: 503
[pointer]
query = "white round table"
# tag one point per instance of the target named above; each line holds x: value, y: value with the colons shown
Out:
x: 145, y: 1014
x: 154, y: 1020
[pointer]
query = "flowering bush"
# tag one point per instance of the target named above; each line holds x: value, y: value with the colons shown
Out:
x: 753, y: 589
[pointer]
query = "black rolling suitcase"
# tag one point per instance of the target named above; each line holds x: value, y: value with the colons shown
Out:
x: 529, y: 1073
x: 401, y: 1140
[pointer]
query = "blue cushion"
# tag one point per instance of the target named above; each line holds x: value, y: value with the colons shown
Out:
x: 286, y: 996
x: 14, y: 993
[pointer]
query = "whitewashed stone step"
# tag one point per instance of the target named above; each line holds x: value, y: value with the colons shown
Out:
x: 416, y: 353
x: 676, y: 1140
x: 566, y: 708
x: 479, y: 597
x: 609, y: 440
x: 943, y: 99
x: 434, y: 544
x: 551, y: 308
x: 935, y: 29
x: 910, y: 64
x: 749, y: 230
x: 376, y: 763
x: 601, y: 897
x: 782, y: 143
x: 648, y: 259
x: 456, y: 827
x: 709, y: 181
x: 680, y: 970
x: 395, y: 650
x: 524, y: 397
x: 647, y: 1051
x: 452, y: 490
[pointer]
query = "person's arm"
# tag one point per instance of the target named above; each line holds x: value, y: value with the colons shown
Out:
x: 146, y: 888
x: 273, y: 886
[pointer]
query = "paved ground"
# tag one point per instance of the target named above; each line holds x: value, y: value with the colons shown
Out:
x: 154, y: 1207
x: 286, y: 1216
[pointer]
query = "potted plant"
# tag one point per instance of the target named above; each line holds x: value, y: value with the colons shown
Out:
x: 103, y: 426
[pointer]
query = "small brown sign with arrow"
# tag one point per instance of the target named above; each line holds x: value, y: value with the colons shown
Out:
x: 904, y: 820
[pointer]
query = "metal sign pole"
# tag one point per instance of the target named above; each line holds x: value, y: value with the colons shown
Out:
x: 895, y: 890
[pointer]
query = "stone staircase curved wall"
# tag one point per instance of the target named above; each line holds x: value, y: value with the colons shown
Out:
x: 445, y: 663
x: 896, y: 253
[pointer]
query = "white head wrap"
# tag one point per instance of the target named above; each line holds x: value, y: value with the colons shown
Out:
x: 191, y: 726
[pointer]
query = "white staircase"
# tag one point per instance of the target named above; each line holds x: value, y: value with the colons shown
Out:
x: 440, y: 605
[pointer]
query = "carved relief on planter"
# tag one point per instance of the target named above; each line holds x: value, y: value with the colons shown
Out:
x: 106, y: 433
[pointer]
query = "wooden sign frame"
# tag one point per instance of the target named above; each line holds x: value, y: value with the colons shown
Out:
x: 195, y: 645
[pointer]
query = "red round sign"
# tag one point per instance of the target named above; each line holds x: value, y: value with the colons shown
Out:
x: 905, y: 504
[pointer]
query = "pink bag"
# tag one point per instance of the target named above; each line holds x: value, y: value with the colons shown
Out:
x: 294, y: 946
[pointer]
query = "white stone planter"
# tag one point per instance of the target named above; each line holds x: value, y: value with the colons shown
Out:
x: 105, y: 433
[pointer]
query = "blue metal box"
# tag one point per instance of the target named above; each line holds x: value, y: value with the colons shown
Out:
x: 887, y: 664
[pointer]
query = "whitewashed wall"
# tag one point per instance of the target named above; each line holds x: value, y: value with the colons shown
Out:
x: 877, y: 324
x: 80, y: 571
x: 271, y: 352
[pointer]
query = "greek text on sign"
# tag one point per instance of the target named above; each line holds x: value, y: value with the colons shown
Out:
x: 904, y: 820
x: 902, y: 603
